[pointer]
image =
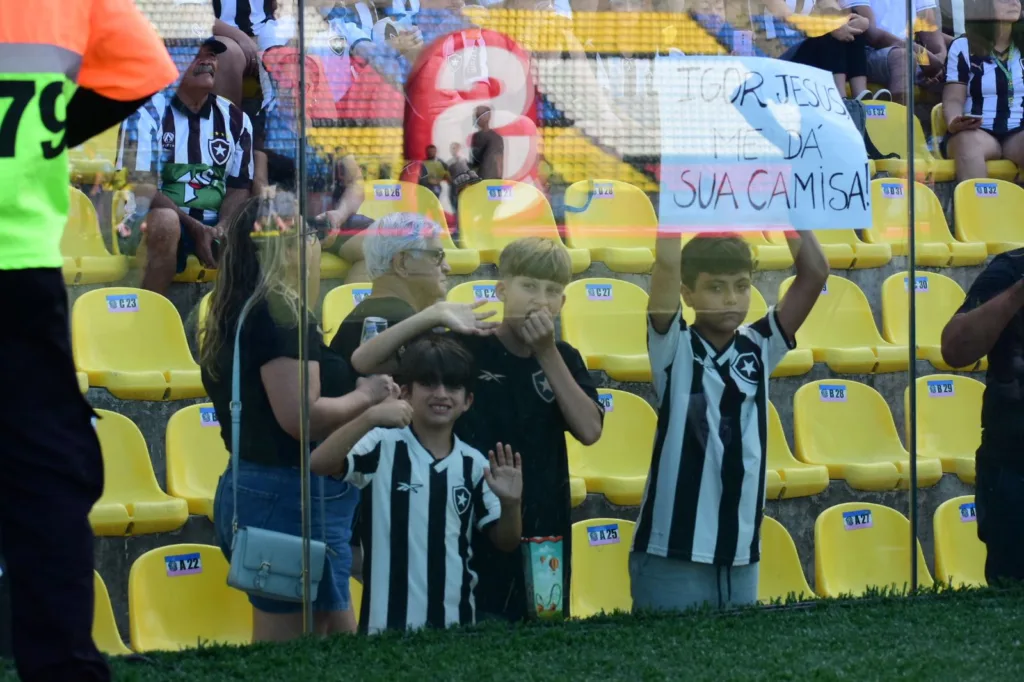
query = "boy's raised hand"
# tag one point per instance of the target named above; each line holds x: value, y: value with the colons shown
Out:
x: 465, y: 318
x: 391, y: 414
x: 505, y: 477
x: 538, y: 330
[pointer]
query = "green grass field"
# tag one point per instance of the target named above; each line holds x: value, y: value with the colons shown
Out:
x: 951, y: 636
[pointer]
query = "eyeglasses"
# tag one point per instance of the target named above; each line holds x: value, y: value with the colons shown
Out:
x: 435, y: 255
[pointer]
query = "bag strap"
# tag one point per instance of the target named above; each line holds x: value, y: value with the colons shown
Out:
x: 236, y: 429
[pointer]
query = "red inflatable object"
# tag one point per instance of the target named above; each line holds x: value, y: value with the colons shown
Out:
x: 460, y: 72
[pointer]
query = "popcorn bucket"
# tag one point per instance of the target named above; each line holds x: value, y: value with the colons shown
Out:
x: 543, y: 568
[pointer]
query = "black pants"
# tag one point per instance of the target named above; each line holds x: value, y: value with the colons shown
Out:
x: 1001, y: 521
x: 834, y: 56
x: 51, y: 473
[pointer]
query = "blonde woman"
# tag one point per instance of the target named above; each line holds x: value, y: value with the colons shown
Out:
x: 260, y: 263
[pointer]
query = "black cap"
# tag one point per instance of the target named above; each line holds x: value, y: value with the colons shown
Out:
x: 215, y: 45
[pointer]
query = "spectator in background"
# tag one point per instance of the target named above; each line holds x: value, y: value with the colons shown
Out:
x: 983, y: 99
x: 264, y: 267
x: 991, y: 323
x: 842, y: 52
x: 433, y: 171
x: 487, y: 148
x: 199, y: 148
x: 531, y: 391
x: 448, y: 487
x: 888, y: 43
x: 405, y: 261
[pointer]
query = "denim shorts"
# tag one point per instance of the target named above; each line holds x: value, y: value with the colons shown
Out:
x: 661, y: 584
x: 269, y: 498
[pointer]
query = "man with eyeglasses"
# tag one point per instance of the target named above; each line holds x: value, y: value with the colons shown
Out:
x: 405, y: 260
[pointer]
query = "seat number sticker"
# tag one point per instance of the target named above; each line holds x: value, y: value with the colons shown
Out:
x: 875, y: 111
x: 183, y: 564
x: 920, y: 284
x: 499, y: 193
x: 940, y: 388
x: 484, y: 292
x: 606, y: 400
x: 603, y: 190
x: 892, y: 190
x: 123, y: 303
x: 358, y: 295
x: 387, y: 192
x: 208, y: 416
x: 603, y: 535
x: 599, y: 292
x: 986, y: 189
x: 855, y: 520
x: 832, y: 393
x: 968, y: 513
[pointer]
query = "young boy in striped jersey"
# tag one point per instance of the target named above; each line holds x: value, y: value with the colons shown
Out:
x: 697, y: 540
x: 426, y: 493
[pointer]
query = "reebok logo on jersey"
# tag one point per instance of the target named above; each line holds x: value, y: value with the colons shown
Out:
x: 409, y: 487
x: 490, y: 376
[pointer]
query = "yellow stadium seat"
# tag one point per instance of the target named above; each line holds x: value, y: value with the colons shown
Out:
x: 494, y: 213
x: 332, y: 267
x: 796, y: 362
x: 95, y: 156
x: 605, y: 319
x: 204, y: 309
x: 847, y: 426
x: 935, y: 245
x: 86, y: 258
x: 989, y: 211
x: 938, y: 298
x: 338, y: 303
x: 617, y: 465
x: 196, y: 457
x: 959, y: 554
x: 859, y: 546
x: 887, y: 128
x: 132, y: 342
x: 600, y: 567
x: 83, y: 381
x: 1001, y: 169
x: 841, y: 332
x: 355, y: 590
x: 178, y: 598
x: 104, y: 628
x: 132, y: 502
x: 781, y: 575
x: 577, y: 490
x: 615, y: 221
x: 479, y: 290
x: 796, y: 478
x: 194, y: 272
x: 948, y: 421
x: 768, y: 255
x: 382, y: 198
x: 845, y: 250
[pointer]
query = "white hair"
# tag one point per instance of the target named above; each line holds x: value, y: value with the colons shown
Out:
x: 391, y: 235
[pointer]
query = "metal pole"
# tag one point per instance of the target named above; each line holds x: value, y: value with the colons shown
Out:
x: 912, y: 287
x: 307, y: 517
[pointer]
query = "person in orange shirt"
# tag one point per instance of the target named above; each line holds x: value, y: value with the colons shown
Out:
x: 51, y: 469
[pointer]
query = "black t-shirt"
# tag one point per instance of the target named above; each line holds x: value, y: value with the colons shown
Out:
x: 486, y: 147
x: 263, y: 441
x: 350, y: 330
x: 1002, y: 411
x: 513, y: 403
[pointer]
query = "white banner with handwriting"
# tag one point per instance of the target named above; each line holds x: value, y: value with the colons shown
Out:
x: 750, y: 143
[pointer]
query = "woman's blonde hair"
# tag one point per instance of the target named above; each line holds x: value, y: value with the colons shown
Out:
x: 256, y: 261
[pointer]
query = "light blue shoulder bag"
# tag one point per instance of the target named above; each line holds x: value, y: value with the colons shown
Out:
x: 264, y: 562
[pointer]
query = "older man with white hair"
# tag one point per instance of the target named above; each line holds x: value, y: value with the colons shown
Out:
x: 405, y: 260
